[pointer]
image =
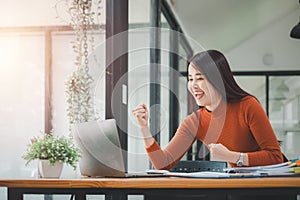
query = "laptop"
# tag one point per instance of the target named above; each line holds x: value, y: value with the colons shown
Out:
x: 101, y: 152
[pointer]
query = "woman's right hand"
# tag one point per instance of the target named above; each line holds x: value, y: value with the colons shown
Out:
x: 141, y: 115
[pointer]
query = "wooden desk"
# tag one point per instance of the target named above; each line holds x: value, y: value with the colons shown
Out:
x: 151, y: 186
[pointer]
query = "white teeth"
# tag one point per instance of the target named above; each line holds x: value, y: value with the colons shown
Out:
x: 198, y: 93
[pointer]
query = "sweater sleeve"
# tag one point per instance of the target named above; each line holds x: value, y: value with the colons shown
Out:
x: 259, y: 124
x: 177, y: 147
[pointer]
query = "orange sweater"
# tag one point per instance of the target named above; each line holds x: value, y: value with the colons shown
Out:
x: 241, y: 127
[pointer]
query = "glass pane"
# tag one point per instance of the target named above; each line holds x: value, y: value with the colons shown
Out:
x: 284, y: 111
x: 284, y: 95
x: 138, y: 79
x: 183, y: 98
x: 291, y: 144
x: 138, y: 13
x: 182, y: 60
x: 255, y: 85
x: 138, y: 92
x: 22, y: 97
x: 63, y: 66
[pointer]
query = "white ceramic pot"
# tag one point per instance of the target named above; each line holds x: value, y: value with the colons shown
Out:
x: 48, y: 171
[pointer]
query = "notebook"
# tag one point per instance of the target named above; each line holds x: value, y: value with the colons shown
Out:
x: 101, y: 153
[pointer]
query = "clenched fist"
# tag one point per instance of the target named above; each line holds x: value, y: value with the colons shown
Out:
x: 141, y: 115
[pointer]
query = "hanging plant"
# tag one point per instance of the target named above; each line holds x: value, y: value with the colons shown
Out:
x: 80, y: 84
x: 79, y: 97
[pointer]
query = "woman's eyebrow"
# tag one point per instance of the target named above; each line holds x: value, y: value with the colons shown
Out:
x: 197, y: 74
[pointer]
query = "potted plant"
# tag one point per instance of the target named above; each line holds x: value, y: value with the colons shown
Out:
x: 52, y: 151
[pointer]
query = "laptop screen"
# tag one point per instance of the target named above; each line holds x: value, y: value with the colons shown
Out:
x: 101, y: 152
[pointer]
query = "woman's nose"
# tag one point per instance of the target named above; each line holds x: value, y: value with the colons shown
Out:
x: 194, y: 84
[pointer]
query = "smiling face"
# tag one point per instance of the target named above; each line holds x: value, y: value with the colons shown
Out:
x: 202, y: 90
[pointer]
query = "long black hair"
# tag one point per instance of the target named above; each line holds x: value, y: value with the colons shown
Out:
x: 214, y: 66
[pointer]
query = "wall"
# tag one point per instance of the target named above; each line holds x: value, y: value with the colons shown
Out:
x: 272, y: 44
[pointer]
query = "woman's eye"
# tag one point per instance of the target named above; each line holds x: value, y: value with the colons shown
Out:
x: 197, y: 79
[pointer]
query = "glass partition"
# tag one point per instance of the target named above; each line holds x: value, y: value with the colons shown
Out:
x: 139, y: 82
x: 281, y: 94
x: 284, y: 112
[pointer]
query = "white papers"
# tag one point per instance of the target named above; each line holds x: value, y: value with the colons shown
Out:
x: 256, y: 168
x: 203, y: 174
x: 277, y: 169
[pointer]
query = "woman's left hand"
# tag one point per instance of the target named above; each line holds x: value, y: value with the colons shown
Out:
x: 219, y: 152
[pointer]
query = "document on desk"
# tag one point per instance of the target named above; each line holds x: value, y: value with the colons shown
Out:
x: 203, y: 174
x: 291, y: 167
x: 286, y: 168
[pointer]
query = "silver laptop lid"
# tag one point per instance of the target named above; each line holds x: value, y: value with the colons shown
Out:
x: 101, y: 153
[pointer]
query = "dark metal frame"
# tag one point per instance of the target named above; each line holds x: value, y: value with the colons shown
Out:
x: 155, y: 72
x: 117, y: 67
x: 172, y: 193
x: 159, y: 7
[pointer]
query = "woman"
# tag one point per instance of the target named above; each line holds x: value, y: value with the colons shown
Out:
x: 229, y: 121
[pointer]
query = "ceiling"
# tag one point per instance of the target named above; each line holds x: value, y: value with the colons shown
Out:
x: 224, y: 24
